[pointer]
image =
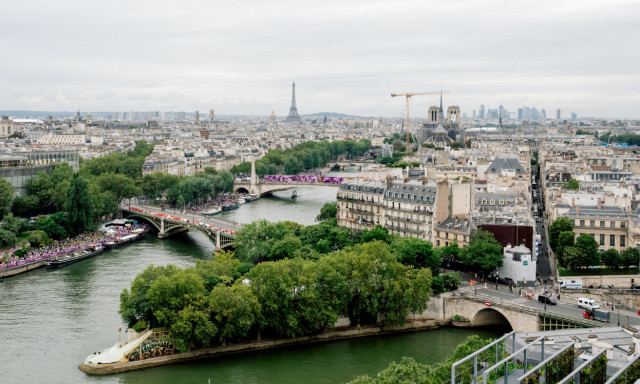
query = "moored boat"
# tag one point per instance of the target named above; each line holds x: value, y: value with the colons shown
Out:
x: 230, y: 207
x: 136, y: 234
x: 251, y: 197
x: 212, y: 212
x: 240, y: 201
x: 72, y: 257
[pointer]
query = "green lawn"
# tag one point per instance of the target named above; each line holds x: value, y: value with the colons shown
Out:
x: 19, y: 240
x: 597, y: 272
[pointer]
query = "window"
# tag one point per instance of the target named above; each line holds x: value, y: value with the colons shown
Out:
x: 612, y: 224
x: 623, y: 224
x: 438, y: 242
x: 582, y: 223
x: 612, y: 240
x: 623, y: 241
x: 601, y: 223
x: 601, y: 239
x: 592, y: 223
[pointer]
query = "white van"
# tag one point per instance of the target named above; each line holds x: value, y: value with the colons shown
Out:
x: 587, y: 303
x: 571, y: 283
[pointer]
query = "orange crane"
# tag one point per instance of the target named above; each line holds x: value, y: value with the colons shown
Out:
x: 408, y: 96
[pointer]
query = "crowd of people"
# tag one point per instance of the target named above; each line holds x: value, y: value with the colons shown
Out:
x: 9, y: 259
x: 211, y: 203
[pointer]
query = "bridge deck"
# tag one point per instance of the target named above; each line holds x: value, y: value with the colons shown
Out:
x: 186, y: 220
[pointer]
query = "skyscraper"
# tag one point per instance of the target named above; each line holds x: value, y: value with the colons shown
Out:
x: 558, y: 114
x: 293, y: 111
x: 212, y: 115
x: 481, y: 111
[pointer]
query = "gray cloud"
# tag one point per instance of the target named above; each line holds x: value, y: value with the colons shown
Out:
x: 346, y: 56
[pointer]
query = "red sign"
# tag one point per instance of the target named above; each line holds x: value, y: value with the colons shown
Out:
x: 487, y: 303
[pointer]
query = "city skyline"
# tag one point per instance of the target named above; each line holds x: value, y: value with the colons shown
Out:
x: 345, y: 58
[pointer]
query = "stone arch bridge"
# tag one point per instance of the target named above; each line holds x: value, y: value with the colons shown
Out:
x: 221, y: 232
x: 468, y: 310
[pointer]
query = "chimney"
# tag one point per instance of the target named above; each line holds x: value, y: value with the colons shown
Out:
x: 389, y: 180
x: 577, y: 209
x: 599, y: 203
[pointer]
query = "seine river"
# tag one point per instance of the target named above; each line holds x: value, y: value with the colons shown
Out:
x: 50, y: 320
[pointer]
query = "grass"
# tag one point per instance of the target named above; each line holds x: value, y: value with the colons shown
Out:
x: 19, y: 240
x: 597, y: 271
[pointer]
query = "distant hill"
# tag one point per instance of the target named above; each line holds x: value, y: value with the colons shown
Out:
x: 334, y: 114
x: 35, y: 114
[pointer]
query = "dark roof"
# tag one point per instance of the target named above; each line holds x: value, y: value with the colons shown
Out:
x: 501, y: 163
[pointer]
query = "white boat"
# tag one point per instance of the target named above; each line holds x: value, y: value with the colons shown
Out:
x: 213, y: 211
x: 252, y: 197
x: 241, y: 201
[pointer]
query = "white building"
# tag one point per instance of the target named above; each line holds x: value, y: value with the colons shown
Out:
x: 518, y: 264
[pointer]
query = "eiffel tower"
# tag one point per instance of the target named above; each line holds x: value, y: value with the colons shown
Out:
x: 293, y: 111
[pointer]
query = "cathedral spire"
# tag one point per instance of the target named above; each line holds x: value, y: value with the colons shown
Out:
x: 441, y: 112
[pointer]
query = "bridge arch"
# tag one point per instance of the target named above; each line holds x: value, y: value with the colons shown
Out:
x: 153, y: 223
x: 241, y: 190
x: 490, y: 316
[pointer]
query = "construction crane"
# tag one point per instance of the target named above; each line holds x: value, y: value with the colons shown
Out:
x: 408, y: 96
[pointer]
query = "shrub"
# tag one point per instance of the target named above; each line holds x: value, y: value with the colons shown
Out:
x: 140, y: 326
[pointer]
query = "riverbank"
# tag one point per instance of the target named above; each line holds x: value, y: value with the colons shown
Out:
x: 37, y: 258
x: 343, y: 333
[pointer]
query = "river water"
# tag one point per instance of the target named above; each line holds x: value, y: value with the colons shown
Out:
x: 50, y: 320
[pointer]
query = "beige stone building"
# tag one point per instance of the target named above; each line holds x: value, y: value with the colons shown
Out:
x: 360, y: 204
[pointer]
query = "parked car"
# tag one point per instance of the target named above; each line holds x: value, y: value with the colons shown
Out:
x: 635, y: 286
x: 546, y: 299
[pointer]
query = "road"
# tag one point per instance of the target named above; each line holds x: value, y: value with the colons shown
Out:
x: 567, y: 307
x: 546, y: 265
x: 191, y: 216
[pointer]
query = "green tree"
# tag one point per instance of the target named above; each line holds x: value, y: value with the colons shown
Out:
x: 589, y: 247
x: 26, y: 206
x: 630, y: 256
x: 168, y: 296
x: 235, y: 311
x: 192, y: 325
x: 417, y: 253
x: 255, y: 240
x: 6, y: 196
x: 574, y: 257
x: 292, y: 166
x: 7, y: 238
x: 565, y: 239
x: 559, y: 225
x: 78, y: 205
x: 483, y: 252
x: 572, y: 184
x: 14, y: 224
x: 376, y: 233
x: 121, y: 186
x: 612, y: 259
x: 134, y: 303
x: 285, y: 248
x: 328, y: 211
x: 38, y: 238
x: 51, y: 228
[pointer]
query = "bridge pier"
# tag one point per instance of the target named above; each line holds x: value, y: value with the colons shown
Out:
x: 218, y: 247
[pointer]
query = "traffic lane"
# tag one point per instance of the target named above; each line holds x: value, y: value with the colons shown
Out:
x: 566, y: 308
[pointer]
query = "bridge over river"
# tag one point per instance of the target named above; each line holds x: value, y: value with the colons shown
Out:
x: 469, y: 308
x: 169, y: 222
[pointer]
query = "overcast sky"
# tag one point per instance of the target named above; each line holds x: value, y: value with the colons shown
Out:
x: 239, y: 57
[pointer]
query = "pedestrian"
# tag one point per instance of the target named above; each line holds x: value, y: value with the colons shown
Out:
x: 558, y: 297
x: 520, y: 292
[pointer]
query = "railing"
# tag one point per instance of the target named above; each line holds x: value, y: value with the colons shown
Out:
x: 477, y: 353
x: 623, y: 373
x: 528, y: 310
